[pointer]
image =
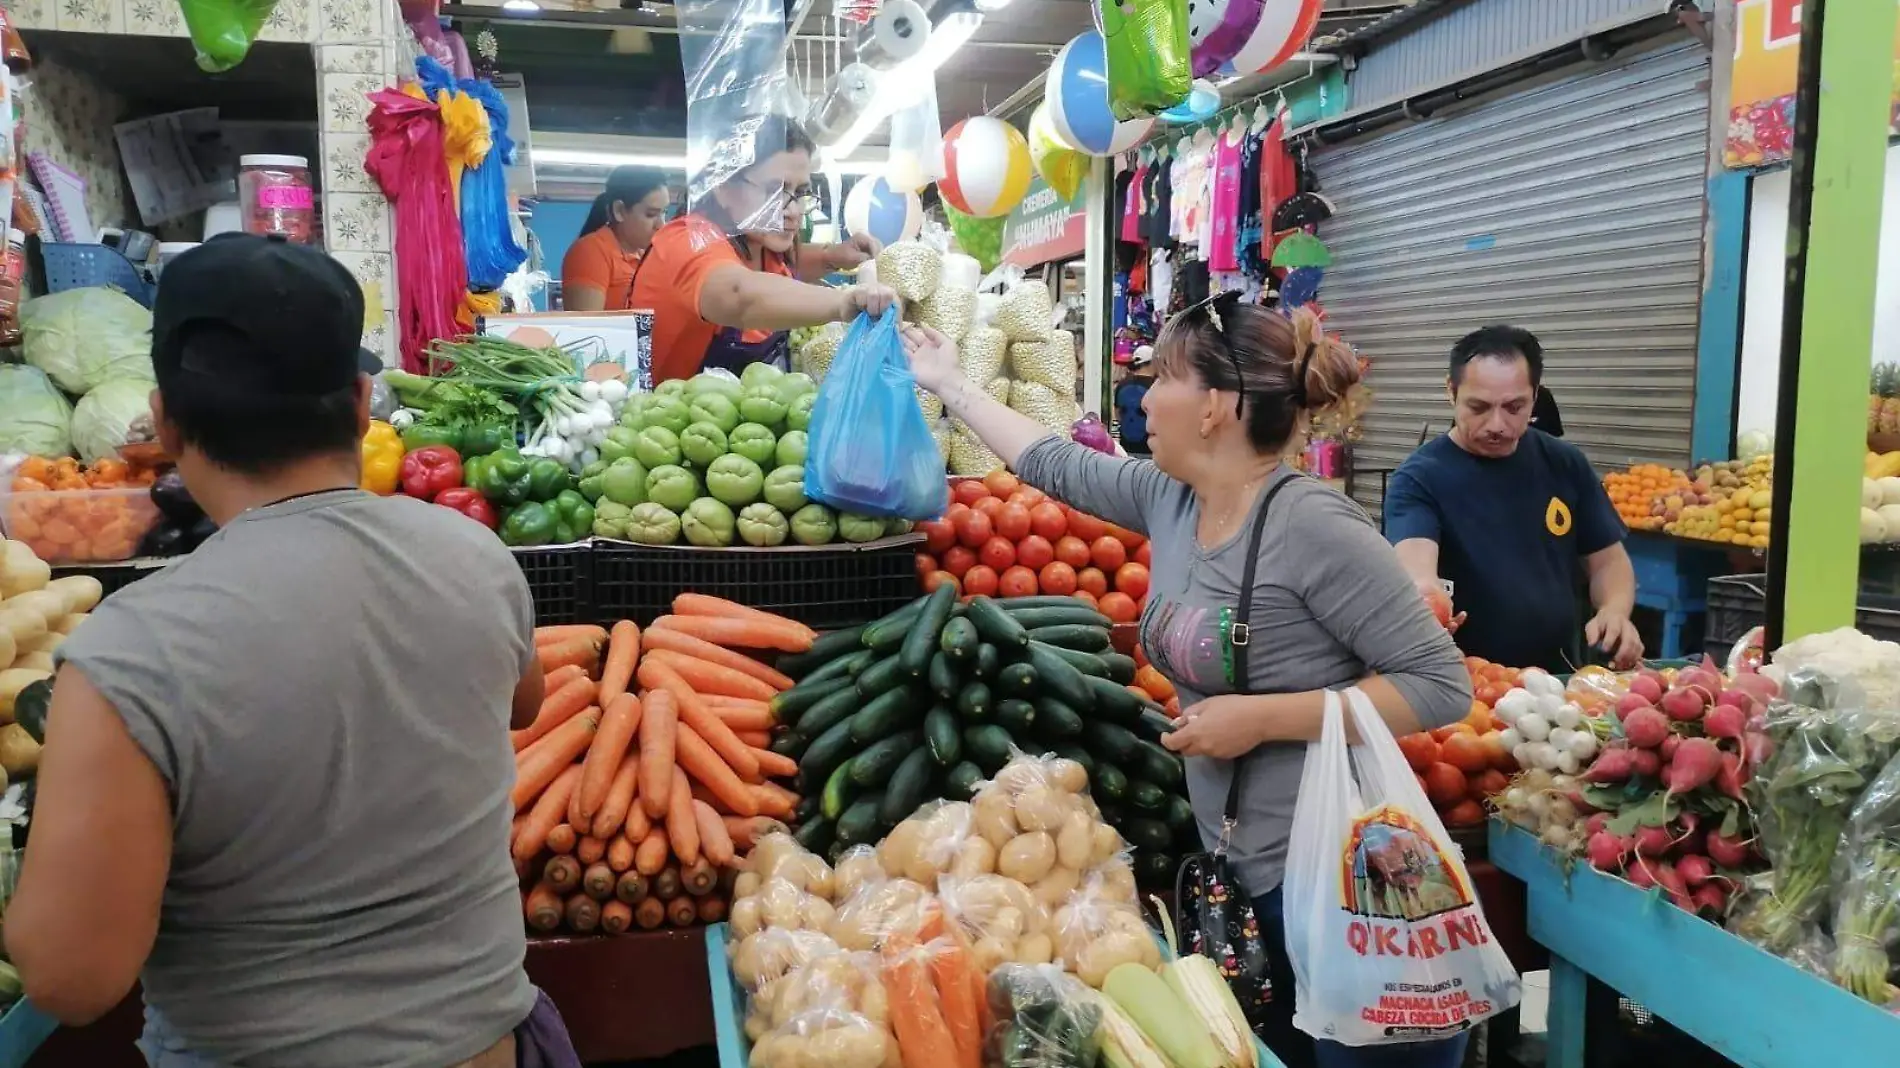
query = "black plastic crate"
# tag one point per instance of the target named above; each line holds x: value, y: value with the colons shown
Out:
x: 561, y: 580
x: 1739, y: 603
x: 822, y: 586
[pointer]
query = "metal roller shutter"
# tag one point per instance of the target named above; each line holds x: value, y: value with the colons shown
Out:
x: 1572, y: 208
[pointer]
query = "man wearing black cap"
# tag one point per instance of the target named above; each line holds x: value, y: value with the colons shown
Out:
x: 276, y: 774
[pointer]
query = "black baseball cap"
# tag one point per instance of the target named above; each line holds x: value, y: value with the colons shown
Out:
x: 260, y: 316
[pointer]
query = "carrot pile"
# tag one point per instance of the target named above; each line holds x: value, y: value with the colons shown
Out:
x: 646, y: 770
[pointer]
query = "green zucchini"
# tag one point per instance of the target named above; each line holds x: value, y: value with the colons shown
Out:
x: 793, y: 703
x: 1014, y: 605
x: 909, y: 787
x: 886, y: 714
x: 1016, y: 716
x: 1112, y: 701
x: 816, y: 834
x: 823, y: 756
x: 961, y: 782
x: 875, y: 765
x: 830, y: 646
x: 1108, y: 783
x: 1018, y: 680
x: 1055, y: 615
x: 988, y: 746
x: 828, y: 713
x: 886, y: 674
x: 959, y: 639
x: 838, y: 792
x: 997, y: 626
x: 1147, y: 798
x: 1055, y: 720
x: 1059, y: 677
x: 1158, y: 765
x: 915, y: 652
x: 886, y: 634
x: 1120, y: 668
x: 1086, y: 663
x: 1154, y: 724
x: 941, y: 736
x: 787, y: 744
x: 988, y: 660
x: 858, y: 825
x: 942, y: 676
x: 1070, y: 751
x: 975, y: 702
x: 1113, y: 743
x: 808, y: 808
x: 1079, y: 636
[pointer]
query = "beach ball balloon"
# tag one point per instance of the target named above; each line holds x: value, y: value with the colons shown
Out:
x: 1217, y: 29
x: 1283, y: 28
x: 877, y: 207
x: 1201, y: 104
x: 985, y: 167
x: 1076, y: 92
x: 1061, y: 166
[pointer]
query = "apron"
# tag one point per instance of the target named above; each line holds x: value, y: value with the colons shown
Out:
x: 729, y: 350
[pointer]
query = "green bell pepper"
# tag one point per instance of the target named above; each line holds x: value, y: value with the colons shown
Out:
x: 472, y: 471
x: 591, y: 480
x: 482, y: 440
x: 573, y: 516
x: 422, y: 435
x: 504, y: 477
x: 531, y: 523
x: 546, y: 479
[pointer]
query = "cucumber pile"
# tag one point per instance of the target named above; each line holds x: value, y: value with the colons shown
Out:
x: 934, y: 698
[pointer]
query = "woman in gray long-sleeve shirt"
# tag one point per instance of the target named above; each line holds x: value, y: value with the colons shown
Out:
x: 1331, y: 606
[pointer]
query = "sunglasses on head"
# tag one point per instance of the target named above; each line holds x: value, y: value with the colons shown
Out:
x: 1211, y: 310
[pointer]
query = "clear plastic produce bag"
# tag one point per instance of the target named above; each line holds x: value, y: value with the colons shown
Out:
x: 1867, y: 898
x: 733, y: 54
x: 870, y: 446
x: 1042, y: 1018
x: 1389, y: 946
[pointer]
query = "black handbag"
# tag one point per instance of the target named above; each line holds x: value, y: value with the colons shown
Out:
x: 1213, y: 915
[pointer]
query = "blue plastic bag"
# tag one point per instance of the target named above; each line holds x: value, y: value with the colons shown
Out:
x: 870, y: 449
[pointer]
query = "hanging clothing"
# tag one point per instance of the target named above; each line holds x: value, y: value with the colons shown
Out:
x: 1279, y: 179
x: 1224, y: 211
x: 1160, y: 204
x: 1249, y: 230
x: 1128, y: 188
x: 1161, y: 279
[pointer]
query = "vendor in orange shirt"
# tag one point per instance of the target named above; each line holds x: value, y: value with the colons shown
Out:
x: 597, y: 272
x: 726, y: 292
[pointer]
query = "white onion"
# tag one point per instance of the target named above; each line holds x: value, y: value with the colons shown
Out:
x: 588, y: 456
x: 1568, y: 763
x: 1533, y: 727
x: 1511, y: 738
x: 1582, y: 745
x: 1540, y: 683
x: 1543, y: 754
x: 1513, y: 704
x: 613, y: 391
x: 1569, y: 714
x: 1559, y: 737
x: 590, y: 391
x: 1548, y: 705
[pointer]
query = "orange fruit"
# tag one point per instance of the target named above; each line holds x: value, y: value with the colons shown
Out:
x: 1001, y: 483
x: 1465, y: 752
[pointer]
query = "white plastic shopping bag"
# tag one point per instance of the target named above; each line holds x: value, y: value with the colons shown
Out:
x: 1383, y: 929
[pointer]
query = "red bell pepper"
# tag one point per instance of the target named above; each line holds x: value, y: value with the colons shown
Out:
x: 471, y: 504
x: 430, y: 470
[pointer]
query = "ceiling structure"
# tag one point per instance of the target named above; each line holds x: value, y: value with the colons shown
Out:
x: 591, y: 67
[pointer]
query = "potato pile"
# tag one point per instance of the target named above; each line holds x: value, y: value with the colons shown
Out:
x: 37, y: 612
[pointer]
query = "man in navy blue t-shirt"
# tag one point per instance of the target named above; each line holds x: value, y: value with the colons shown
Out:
x: 1505, y: 512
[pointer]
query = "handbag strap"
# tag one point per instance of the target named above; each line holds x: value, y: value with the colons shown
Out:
x: 1239, y: 635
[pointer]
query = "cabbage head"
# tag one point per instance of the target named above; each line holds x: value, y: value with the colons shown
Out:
x: 102, y: 417
x: 85, y: 337
x: 35, y: 417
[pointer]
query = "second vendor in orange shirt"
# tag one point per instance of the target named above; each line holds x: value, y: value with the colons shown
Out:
x: 597, y: 272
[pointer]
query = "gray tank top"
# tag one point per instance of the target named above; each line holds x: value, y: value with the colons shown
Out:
x: 325, y: 687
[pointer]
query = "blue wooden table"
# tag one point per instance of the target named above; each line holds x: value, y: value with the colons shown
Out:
x: 1746, y: 1004
x: 22, y: 1030
x: 1672, y: 578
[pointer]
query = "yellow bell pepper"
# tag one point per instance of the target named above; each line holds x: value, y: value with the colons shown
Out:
x: 382, y: 458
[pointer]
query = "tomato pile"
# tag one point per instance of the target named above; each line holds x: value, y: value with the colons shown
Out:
x: 1460, y: 765
x: 1002, y: 538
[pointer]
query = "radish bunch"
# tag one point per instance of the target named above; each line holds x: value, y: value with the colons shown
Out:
x: 1543, y: 729
x: 1670, y: 781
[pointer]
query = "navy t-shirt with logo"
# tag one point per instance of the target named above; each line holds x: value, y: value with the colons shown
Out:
x: 1511, y: 536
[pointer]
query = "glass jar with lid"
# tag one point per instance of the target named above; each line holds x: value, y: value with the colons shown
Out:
x: 277, y: 197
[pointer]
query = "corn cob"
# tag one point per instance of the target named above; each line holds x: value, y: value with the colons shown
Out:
x: 1208, y: 996
x: 1162, y: 1016
x: 1123, y: 1044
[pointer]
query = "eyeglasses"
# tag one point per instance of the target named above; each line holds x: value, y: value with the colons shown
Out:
x: 804, y: 198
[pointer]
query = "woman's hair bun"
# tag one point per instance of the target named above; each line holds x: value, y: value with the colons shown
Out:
x: 1332, y: 369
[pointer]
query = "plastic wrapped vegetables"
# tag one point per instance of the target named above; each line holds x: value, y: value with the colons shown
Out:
x: 1042, y: 404
x: 815, y: 356
x: 981, y: 353
x: 1044, y: 1018
x: 948, y: 311
x: 969, y: 456
x: 911, y: 268
x: 1046, y: 363
x: 998, y: 388
x: 1026, y: 312
x: 1867, y: 902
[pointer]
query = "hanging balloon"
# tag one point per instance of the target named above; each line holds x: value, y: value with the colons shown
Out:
x: 1217, y: 29
x: 1146, y: 42
x: 1076, y: 94
x: 1061, y: 166
x: 876, y: 207
x: 1284, y: 28
x: 980, y: 239
x: 1200, y: 105
x: 985, y: 167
